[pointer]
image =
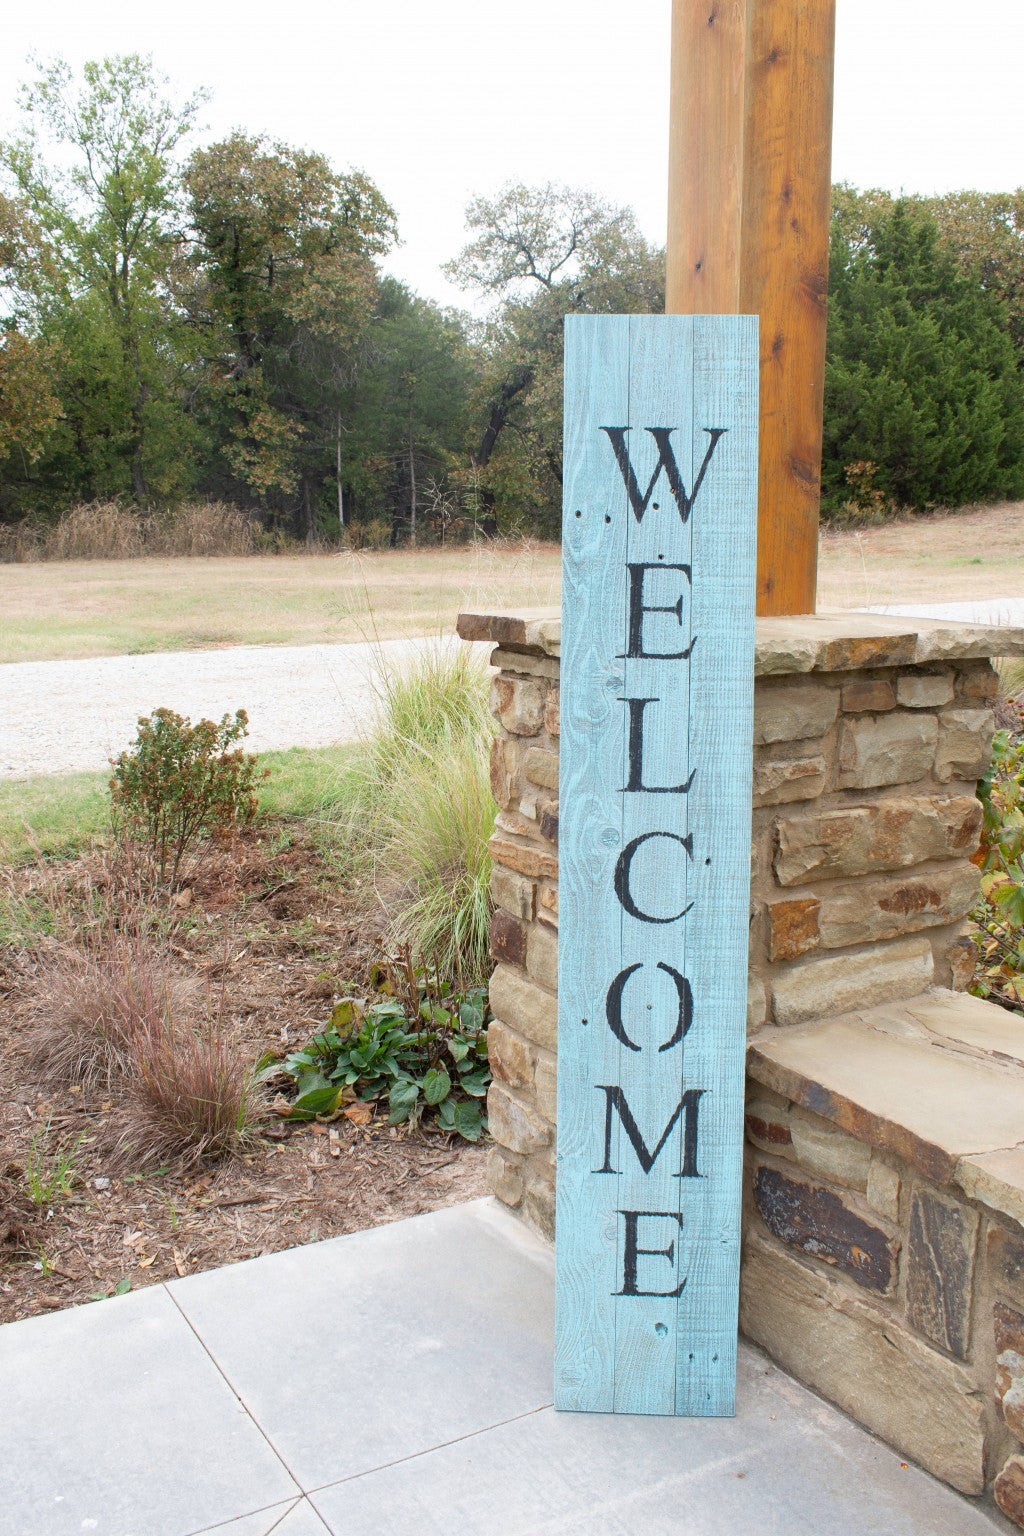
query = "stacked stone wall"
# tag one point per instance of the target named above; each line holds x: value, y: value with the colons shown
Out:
x: 883, y: 1239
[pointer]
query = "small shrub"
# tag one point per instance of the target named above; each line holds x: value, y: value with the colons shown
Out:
x: 999, y: 914
x: 418, y: 1048
x: 180, y: 782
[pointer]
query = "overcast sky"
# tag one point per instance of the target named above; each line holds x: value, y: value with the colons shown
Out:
x: 440, y: 101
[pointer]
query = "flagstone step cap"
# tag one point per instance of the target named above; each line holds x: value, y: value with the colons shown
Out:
x: 828, y: 641
x: 937, y: 1080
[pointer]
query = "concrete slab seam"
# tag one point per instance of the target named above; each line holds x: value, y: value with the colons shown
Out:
x: 235, y: 1393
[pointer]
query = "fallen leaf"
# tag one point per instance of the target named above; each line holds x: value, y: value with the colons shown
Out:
x: 145, y: 1263
x: 179, y: 1263
x: 359, y: 1113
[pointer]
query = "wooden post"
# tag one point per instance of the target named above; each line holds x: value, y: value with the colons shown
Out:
x: 748, y: 226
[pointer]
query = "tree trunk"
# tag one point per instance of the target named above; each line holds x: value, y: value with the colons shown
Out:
x: 412, y: 489
x: 341, y: 494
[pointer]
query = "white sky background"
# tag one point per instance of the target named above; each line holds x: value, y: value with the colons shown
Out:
x: 440, y: 101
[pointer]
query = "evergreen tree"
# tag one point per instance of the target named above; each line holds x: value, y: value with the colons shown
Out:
x: 922, y: 381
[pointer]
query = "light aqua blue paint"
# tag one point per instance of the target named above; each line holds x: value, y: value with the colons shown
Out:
x: 659, y: 536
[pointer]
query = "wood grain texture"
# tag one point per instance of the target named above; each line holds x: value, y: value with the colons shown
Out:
x: 769, y: 62
x: 647, y: 1353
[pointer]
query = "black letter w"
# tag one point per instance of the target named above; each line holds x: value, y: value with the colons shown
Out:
x: 666, y: 462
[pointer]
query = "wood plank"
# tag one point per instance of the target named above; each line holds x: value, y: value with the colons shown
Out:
x: 657, y: 710
x: 748, y: 233
x: 592, y: 754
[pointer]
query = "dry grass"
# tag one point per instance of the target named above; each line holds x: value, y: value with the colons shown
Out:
x: 92, y: 1003
x: 190, y: 1097
x: 105, y: 1008
x: 106, y: 530
x: 124, y: 607
x: 946, y: 557
x: 119, y: 607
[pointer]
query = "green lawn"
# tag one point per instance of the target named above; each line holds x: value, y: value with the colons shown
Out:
x: 58, y: 815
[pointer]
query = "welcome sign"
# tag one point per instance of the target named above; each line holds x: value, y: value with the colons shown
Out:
x: 660, y: 476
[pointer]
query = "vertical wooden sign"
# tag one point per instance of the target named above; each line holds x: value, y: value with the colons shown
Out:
x: 659, y: 559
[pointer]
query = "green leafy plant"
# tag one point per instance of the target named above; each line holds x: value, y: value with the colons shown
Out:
x: 421, y: 1051
x: 999, y: 914
x: 50, y: 1167
x: 181, y: 782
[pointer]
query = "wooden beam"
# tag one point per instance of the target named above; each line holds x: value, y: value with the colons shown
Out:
x: 749, y: 202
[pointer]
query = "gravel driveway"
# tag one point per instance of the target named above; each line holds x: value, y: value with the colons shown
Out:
x: 60, y: 716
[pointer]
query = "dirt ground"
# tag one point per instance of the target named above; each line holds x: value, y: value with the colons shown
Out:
x: 269, y: 928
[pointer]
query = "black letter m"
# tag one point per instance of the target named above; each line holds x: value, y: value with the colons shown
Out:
x: 666, y: 462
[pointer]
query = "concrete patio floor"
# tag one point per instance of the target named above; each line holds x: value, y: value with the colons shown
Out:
x: 398, y: 1382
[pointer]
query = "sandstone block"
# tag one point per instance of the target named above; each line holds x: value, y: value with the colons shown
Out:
x: 513, y: 1125
x: 757, y: 1003
x: 546, y: 1087
x: 551, y: 713
x: 1008, y: 1327
x: 1009, y: 1490
x: 817, y: 1222
x: 524, y: 860
x: 829, y: 984
x: 549, y: 822
x: 510, y: 1057
x: 793, y: 711
x: 868, y: 696
x: 962, y: 959
x: 513, y: 894
x: 519, y: 703
x: 853, y: 1352
x: 883, y: 1191
x: 541, y: 767
x: 792, y: 927
x: 523, y: 664
x: 767, y: 1126
x: 542, y: 956
x: 508, y: 938
x: 528, y: 1009
x: 995, y: 1179
x: 862, y: 911
x: 518, y: 823
x: 777, y: 782
x: 867, y: 839
x: 924, y: 690
x: 886, y: 749
x: 979, y: 683
x: 547, y: 904
x: 505, y: 1177
x: 965, y: 744
x: 539, y: 1206
x: 1004, y: 1252
x: 830, y: 1153
x: 820, y: 1148
x: 505, y: 771
x: 940, y: 1265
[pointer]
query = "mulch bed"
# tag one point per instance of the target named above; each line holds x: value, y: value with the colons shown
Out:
x: 269, y: 927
